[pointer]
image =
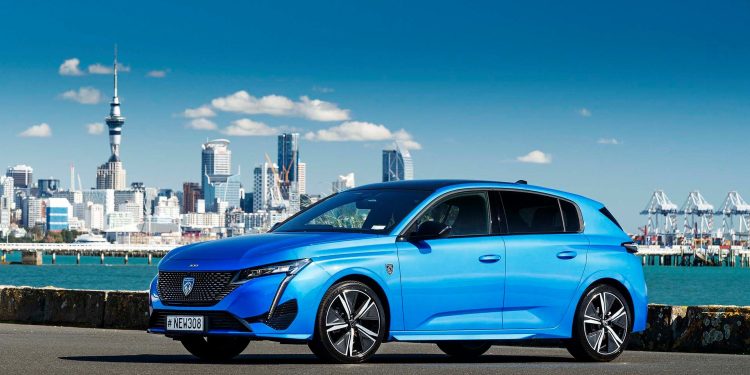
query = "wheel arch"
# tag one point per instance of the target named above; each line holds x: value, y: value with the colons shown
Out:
x: 378, y: 289
x: 617, y: 284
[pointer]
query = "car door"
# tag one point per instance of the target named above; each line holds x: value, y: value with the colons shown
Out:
x: 455, y: 282
x: 545, y: 258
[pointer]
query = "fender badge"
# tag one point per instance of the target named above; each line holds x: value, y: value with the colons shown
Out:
x: 389, y: 268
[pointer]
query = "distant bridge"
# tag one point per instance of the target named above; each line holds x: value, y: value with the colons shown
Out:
x: 32, y: 252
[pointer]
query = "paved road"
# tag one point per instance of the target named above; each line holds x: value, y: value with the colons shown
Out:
x: 26, y: 349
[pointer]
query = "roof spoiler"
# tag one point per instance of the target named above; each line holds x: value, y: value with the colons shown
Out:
x: 522, y: 182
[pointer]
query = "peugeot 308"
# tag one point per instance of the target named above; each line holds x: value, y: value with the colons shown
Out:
x: 462, y: 264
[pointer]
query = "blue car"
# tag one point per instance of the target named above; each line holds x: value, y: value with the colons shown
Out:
x: 463, y: 264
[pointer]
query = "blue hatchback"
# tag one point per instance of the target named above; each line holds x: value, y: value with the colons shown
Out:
x: 463, y: 264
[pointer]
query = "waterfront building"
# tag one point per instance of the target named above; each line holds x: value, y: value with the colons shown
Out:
x: 94, y: 216
x: 22, y: 176
x: 32, y: 212
x: 302, y: 178
x: 397, y: 165
x: 344, y: 182
x: 135, y: 200
x: 191, y: 192
x: 47, y: 187
x: 167, y: 208
x: 7, y: 202
x: 58, y: 212
x: 105, y: 197
x: 202, y: 220
x: 121, y: 221
x: 112, y: 175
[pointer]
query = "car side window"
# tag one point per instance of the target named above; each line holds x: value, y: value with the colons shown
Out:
x: 532, y: 213
x: 466, y: 214
x: 570, y: 216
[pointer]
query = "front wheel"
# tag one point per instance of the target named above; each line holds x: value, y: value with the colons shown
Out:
x: 464, y: 349
x: 215, y: 348
x: 350, y: 324
x: 601, y: 328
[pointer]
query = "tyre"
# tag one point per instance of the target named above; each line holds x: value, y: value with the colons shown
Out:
x: 464, y: 350
x: 215, y: 348
x: 601, y: 326
x: 350, y: 324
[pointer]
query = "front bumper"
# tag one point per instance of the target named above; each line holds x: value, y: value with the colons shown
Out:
x: 291, y: 301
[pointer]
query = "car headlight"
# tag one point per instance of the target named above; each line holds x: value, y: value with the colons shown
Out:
x: 289, y: 268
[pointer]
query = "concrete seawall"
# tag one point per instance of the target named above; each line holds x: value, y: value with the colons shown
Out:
x: 715, y: 329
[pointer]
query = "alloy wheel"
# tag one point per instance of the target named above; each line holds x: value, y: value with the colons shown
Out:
x: 352, y: 323
x: 605, y: 323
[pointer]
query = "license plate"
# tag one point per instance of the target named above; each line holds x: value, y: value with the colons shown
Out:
x: 184, y: 323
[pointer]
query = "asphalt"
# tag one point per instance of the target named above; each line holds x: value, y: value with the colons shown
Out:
x: 29, y: 349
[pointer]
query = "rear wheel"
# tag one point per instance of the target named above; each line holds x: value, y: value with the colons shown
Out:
x: 464, y: 349
x: 601, y: 329
x: 215, y: 348
x: 350, y: 324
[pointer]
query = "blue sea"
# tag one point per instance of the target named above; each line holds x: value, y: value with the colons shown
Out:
x: 667, y: 285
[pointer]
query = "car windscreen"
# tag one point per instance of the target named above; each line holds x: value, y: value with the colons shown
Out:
x: 357, y: 211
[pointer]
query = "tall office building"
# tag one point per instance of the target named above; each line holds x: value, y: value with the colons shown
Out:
x: 191, y: 192
x: 397, y: 165
x: 7, y: 203
x: 263, y: 188
x: 94, y: 216
x: 224, y: 193
x: 48, y: 187
x: 216, y: 169
x: 32, y: 212
x: 111, y: 175
x: 302, y: 178
x: 105, y: 197
x: 22, y: 176
x: 288, y: 156
x: 134, y: 200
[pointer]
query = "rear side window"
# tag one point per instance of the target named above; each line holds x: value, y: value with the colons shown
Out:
x: 570, y: 216
x: 532, y: 213
x: 609, y: 216
x: 466, y: 214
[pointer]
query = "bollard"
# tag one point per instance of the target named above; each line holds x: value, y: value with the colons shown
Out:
x: 54, y: 258
x: 78, y: 258
x: 2, y: 259
x: 126, y: 258
x: 149, y: 259
x: 101, y: 258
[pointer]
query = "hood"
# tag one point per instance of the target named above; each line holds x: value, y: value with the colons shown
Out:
x: 252, y: 250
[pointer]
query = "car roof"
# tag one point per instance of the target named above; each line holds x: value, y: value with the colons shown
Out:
x: 443, y: 185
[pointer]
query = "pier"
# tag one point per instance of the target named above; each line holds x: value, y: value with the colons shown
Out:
x: 32, y: 252
x: 679, y: 255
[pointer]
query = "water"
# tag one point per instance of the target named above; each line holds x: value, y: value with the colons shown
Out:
x: 667, y: 285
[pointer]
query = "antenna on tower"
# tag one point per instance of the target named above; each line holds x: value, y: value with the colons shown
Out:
x: 115, y: 68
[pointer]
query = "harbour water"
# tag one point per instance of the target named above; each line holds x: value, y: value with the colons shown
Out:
x: 666, y: 284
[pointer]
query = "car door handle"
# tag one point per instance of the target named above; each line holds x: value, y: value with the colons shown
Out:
x: 567, y: 254
x: 489, y: 258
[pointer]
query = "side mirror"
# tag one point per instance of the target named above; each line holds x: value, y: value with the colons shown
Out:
x: 431, y: 230
x: 273, y: 228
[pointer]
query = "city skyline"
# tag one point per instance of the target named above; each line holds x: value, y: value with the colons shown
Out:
x: 497, y: 92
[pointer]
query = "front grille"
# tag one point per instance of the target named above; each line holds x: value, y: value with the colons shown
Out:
x: 208, y: 289
x: 214, y: 320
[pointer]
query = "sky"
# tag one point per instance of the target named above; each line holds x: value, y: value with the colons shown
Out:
x: 611, y: 100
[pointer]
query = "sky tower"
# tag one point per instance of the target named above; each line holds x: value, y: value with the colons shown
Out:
x: 111, y: 175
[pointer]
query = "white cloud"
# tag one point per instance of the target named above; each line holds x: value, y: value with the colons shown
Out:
x: 157, y: 73
x: 536, y: 157
x: 584, y: 112
x: 70, y: 67
x: 202, y: 111
x: 201, y: 124
x: 608, y: 141
x: 84, y: 95
x: 246, y: 127
x: 360, y: 131
x: 277, y: 105
x: 95, y: 128
x: 318, y: 110
x: 100, y: 69
x: 41, y: 130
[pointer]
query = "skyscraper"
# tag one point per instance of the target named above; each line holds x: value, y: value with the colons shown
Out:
x: 191, y: 192
x: 288, y: 160
x: 22, y: 176
x: 302, y: 178
x: 216, y: 178
x: 397, y: 165
x: 111, y: 175
x: 263, y: 188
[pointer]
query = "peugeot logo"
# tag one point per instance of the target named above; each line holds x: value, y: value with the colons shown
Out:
x: 187, y: 285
